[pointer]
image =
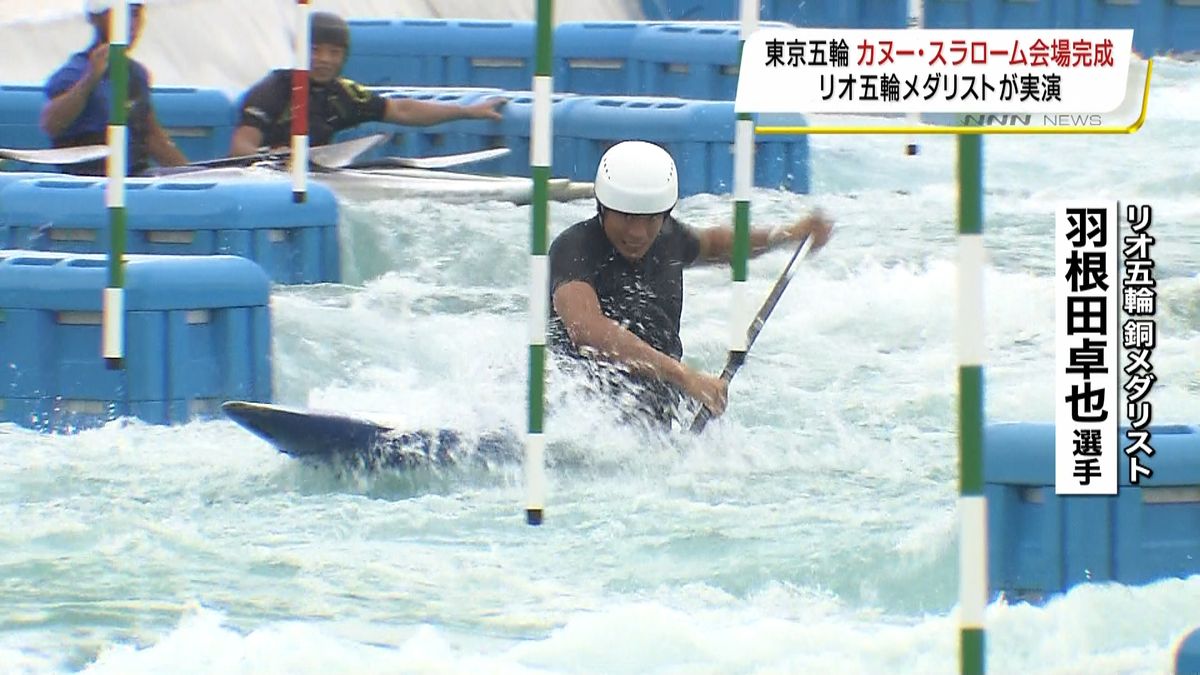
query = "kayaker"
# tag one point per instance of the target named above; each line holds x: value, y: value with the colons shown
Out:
x: 616, y: 285
x: 334, y: 102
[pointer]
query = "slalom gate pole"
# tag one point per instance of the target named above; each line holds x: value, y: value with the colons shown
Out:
x: 112, y: 338
x: 300, y: 68
x: 972, y: 504
x: 541, y: 135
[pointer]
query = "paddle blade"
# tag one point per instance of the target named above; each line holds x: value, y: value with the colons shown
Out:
x: 240, y: 160
x: 701, y: 420
x: 443, y: 162
x: 332, y: 156
x: 342, y: 155
x: 447, y: 161
x: 76, y: 155
x: 735, y: 360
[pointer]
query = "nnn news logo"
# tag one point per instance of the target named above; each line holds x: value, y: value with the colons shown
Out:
x: 1057, y: 120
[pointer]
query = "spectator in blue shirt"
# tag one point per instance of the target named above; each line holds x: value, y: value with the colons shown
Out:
x: 77, y: 109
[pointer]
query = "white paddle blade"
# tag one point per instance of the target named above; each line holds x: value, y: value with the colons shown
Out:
x: 341, y: 155
x: 77, y: 155
x: 447, y: 161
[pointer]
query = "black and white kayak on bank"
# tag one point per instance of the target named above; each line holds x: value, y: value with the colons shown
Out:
x: 338, y: 167
x: 401, y: 183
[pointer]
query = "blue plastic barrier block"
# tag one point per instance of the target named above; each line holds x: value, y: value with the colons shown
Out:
x: 698, y: 134
x: 947, y: 14
x: 20, y: 109
x: 1147, y: 19
x: 438, y: 53
x: 783, y: 163
x: 1181, y: 31
x: 9, y: 177
x: 695, y: 133
x: 687, y: 10
x: 865, y: 13
x: 1041, y: 543
x: 8, y: 235
x: 838, y: 13
x: 1024, y: 557
x: 255, y: 219
x: 1158, y: 535
x: 595, y: 57
x: 698, y: 60
x: 1158, y: 27
x: 687, y: 60
x: 1008, y: 14
x: 200, y: 121
x: 811, y: 13
x: 197, y: 332
x: 440, y: 139
x: 511, y: 132
x: 1021, y: 14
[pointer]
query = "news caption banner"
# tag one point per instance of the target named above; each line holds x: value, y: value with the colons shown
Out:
x: 1052, y: 81
x: 1008, y: 75
x: 1089, y: 329
x: 991, y: 81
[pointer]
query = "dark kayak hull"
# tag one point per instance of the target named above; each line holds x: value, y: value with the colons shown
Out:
x: 335, y: 438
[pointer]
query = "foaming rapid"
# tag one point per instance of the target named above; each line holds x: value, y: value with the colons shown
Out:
x: 812, y: 529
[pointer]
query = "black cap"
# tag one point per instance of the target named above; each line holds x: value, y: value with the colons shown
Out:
x: 326, y: 28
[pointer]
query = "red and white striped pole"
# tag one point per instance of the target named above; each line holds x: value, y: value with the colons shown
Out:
x: 300, y: 104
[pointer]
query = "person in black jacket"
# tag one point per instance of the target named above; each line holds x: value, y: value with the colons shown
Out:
x: 334, y: 102
x: 616, y: 285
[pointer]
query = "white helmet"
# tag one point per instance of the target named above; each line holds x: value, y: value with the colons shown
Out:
x: 637, y: 177
x: 100, y: 6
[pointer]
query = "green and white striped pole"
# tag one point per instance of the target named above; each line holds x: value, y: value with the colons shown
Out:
x: 113, y: 314
x: 743, y: 180
x: 972, y: 505
x: 539, y: 287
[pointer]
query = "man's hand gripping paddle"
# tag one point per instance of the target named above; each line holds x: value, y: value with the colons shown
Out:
x: 736, y: 359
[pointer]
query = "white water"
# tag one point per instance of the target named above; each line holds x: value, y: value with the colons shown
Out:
x: 813, y: 532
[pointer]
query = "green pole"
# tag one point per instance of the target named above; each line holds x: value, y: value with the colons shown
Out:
x: 539, y: 288
x: 112, y: 340
x: 972, y: 509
